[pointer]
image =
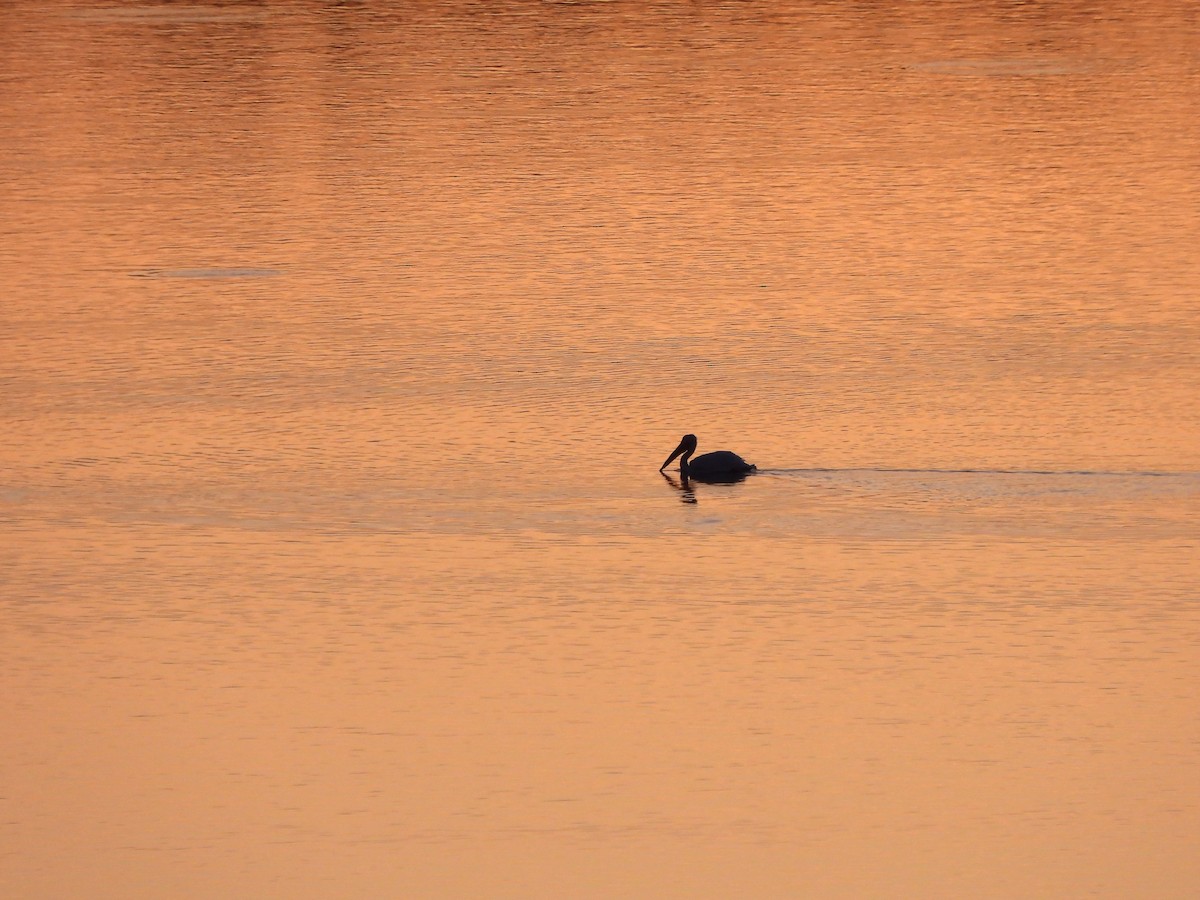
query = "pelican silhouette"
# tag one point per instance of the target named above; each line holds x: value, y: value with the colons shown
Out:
x: 720, y: 465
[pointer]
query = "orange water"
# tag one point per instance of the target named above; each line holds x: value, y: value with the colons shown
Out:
x: 339, y: 347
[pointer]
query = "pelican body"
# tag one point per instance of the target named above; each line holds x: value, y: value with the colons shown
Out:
x: 716, y: 466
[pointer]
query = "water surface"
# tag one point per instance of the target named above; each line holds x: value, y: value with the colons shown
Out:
x: 339, y: 345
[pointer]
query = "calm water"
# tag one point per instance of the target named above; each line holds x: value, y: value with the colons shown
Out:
x: 339, y: 346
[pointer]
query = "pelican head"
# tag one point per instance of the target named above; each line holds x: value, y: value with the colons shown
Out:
x: 687, y: 447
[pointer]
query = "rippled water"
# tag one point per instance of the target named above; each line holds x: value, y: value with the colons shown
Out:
x: 339, y: 347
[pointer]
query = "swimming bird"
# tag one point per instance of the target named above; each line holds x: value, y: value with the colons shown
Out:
x: 720, y: 465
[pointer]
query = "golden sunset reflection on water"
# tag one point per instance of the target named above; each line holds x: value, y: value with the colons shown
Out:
x: 339, y: 346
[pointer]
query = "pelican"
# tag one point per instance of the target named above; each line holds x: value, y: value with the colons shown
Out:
x: 716, y: 466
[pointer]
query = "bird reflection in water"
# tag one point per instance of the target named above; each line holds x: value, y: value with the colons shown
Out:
x: 685, y: 485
